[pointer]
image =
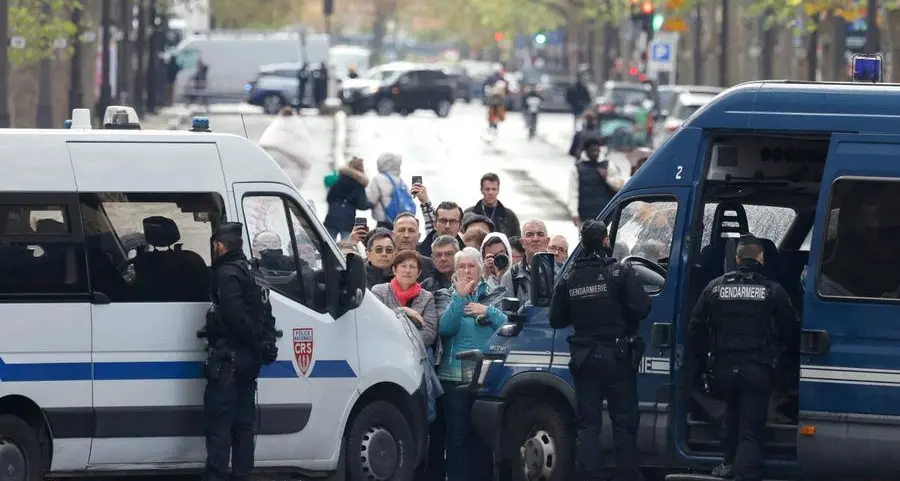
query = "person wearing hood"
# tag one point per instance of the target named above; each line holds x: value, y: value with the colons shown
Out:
x: 382, y: 187
x: 496, y: 252
x: 287, y: 140
x: 345, y: 197
x: 504, y: 219
x: 469, y: 321
x: 591, y: 183
x: 603, y: 301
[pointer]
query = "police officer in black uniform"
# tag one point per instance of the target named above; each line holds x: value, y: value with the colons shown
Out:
x: 739, y: 329
x: 233, y: 363
x: 603, y: 301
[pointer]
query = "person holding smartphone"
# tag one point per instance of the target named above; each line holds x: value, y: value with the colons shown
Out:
x: 345, y: 198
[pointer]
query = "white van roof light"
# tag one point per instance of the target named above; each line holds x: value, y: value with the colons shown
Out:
x: 81, y: 119
x: 121, y: 117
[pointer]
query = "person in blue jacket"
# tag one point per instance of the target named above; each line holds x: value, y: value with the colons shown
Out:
x: 468, y: 323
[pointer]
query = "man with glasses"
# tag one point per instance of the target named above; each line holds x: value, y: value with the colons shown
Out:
x: 517, y: 279
x: 559, y: 247
x: 445, y: 220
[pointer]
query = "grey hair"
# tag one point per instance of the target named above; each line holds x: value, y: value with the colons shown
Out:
x: 534, y: 222
x: 472, y: 254
x: 445, y: 240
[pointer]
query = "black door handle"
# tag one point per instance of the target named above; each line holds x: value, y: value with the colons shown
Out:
x: 661, y: 335
x: 814, y: 342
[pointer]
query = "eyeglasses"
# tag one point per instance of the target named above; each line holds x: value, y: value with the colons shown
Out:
x: 383, y: 250
x: 448, y: 221
x: 559, y: 249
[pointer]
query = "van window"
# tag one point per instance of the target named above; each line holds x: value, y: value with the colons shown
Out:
x: 40, y: 253
x: 767, y: 222
x: 150, y: 247
x: 287, y: 251
x: 859, y: 256
x: 645, y: 229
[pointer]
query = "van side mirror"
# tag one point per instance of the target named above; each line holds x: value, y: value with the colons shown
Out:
x: 354, y: 282
x: 543, y: 275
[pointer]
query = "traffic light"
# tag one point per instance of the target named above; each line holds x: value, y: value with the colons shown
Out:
x: 540, y: 38
x: 498, y: 36
x: 647, y: 8
x: 658, y: 21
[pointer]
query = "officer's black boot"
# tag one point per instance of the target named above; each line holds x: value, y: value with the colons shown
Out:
x: 723, y: 471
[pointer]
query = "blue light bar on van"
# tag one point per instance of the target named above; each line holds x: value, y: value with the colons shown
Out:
x: 67, y: 124
x: 200, y: 124
x: 867, y: 68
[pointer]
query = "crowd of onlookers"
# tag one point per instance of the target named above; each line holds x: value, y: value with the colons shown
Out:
x: 447, y: 275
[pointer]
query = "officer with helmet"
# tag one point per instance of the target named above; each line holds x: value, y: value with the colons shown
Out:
x: 740, y: 327
x: 604, y: 301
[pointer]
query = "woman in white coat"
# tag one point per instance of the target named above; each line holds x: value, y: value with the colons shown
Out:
x: 287, y: 141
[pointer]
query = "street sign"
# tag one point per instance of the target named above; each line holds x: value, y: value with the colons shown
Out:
x: 661, y: 53
x: 674, y: 24
x: 17, y: 42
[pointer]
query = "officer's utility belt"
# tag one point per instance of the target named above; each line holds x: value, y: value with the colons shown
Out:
x: 631, y: 347
x: 220, y: 364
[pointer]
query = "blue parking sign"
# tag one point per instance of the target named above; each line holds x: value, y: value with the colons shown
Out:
x: 662, y: 52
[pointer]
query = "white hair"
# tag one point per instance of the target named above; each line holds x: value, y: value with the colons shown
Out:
x: 266, y: 240
x: 472, y: 254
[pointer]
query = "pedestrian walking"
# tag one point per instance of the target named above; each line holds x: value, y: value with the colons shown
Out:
x: 604, y: 301
x: 740, y: 326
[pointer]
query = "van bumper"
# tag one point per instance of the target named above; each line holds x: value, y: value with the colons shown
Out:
x: 417, y: 407
x: 487, y: 419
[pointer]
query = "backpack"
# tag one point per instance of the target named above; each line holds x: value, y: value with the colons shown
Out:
x: 401, y: 200
x: 266, y: 333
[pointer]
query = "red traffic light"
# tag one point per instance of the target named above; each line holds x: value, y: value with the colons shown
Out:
x: 633, y: 71
x: 647, y: 8
x: 498, y: 36
x: 642, y: 78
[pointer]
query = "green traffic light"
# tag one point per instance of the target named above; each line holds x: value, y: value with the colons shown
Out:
x: 540, y: 38
x: 658, y: 20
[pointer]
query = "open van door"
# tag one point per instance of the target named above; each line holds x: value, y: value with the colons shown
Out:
x: 850, y: 366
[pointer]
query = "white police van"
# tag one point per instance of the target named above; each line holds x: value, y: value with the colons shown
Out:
x: 100, y: 364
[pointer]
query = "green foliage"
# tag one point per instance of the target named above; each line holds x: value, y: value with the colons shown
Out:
x: 40, y: 29
x: 256, y: 14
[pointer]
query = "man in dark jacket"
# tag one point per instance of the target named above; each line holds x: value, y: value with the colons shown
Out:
x: 590, y: 127
x: 590, y: 187
x: 234, y: 361
x: 443, y: 220
x: 504, y: 219
x: 579, y: 98
x: 604, y: 301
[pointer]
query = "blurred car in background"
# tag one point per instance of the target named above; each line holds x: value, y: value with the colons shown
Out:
x: 666, y: 95
x: 620, y: 94
x: 459, y: 77
x: 354, y: 92
x: 276, y: 85
x: 685, y: 104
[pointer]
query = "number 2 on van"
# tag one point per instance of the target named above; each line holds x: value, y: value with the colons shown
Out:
x: 303, y: 348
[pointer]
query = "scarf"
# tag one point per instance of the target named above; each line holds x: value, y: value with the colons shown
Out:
x: 403, y: 297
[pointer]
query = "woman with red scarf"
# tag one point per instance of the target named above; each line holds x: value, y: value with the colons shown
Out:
x: 404, y: 293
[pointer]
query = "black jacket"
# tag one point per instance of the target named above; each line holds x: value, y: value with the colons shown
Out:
x: 436, y: 281
x: 504, y: 219
x: 238, y: 303
x: 602, y: 299
x: 594, y: 191
x: 744, y: 316
x: 578, y: 97
x: 345, y: 197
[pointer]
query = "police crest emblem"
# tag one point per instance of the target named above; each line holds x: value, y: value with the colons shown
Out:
x: 303, y: 348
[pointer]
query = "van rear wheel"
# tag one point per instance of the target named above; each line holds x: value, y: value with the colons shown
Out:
x: 539, y: 443
x: 21, y: 456
x: 380, y: 445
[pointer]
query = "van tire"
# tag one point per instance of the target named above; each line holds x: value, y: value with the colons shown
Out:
x: 20, y: 450
x: 272, y: 104
x: 549, y: 430
x: 380, y: 425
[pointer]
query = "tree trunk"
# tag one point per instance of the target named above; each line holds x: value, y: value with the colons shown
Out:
x: 826, y: 39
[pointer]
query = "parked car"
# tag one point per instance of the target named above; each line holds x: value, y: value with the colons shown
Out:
x: 276, y: 85
x: 685, y: 104
x: 354, y: 92
x: 621, y: 94
x: 462, y: 83
x: 405, y: 91
x: 667, y: 94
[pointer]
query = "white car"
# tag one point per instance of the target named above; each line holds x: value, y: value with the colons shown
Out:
x: 685, y: 106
